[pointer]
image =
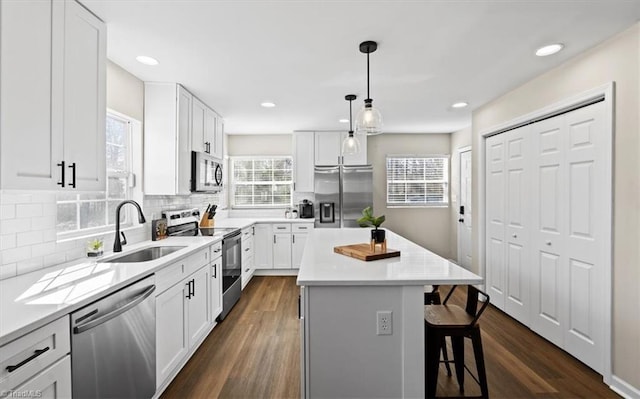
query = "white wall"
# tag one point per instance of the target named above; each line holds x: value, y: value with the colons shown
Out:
x: 618, y: 60
x: 264, y: 144
x: 428, y: 227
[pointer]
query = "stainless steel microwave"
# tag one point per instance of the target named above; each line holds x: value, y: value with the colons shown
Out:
x: 206, y: 173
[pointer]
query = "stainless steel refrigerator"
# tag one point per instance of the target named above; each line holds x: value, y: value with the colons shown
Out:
x: 342, y: 192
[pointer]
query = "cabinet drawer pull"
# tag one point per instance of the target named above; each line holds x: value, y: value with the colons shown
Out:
x: 37, y: 353
x: 274, y: 239
x: 62, y: 169
x: 247, y: 270
x: 217, y: 250
x: 246, y: 249
x: 280, y: 228
x: 293, y: 238
x: 302, y: 228
x: 73, y: 175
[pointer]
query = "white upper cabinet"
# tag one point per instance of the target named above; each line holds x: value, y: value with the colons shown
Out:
x: 303, y: 156
x: 198, y: 140
x: 217, y: 142
x: 167, y: 139
x: 206, y: 129
x: 53, y: 96
x: 328, y: 150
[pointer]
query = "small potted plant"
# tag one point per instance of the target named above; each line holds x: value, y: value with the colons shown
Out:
x: 95, y: 247
x: 368, y: 220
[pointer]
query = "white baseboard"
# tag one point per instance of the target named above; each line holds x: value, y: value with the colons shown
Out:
x: 623, y: 388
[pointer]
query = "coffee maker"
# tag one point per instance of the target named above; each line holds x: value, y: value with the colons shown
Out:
x: 305, y: 209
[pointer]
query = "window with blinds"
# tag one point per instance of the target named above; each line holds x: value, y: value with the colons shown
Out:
x: 417, y: 181
x: 260, y: 182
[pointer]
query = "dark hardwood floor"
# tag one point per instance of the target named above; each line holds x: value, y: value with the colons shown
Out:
x: 255, y: 353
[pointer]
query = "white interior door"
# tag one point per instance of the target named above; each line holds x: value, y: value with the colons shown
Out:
x: 495, y: 216
x: 464, y: 211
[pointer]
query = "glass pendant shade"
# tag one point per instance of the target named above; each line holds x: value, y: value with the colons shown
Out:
x: 350, y: 145
x: 369, y: 120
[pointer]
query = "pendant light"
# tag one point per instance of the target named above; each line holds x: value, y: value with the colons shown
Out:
x: 350, y: 145
x: 369, y: 120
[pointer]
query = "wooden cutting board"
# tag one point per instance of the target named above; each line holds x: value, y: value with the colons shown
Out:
x: 363, y: 252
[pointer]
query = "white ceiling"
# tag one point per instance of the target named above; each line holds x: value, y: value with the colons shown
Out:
x: 303, y: 54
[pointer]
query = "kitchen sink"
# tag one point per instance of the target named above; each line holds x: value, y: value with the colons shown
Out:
x: 144, y: 255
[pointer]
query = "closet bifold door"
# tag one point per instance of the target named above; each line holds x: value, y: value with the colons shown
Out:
x: 568, y: 260
x: 495, y: 217
x: 517, y: 223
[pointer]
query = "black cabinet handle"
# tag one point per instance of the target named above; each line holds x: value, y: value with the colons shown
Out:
x: 193, y: 285
x: 73, y: 175
x: 37, y: 353
x: 299, y: 300
x: 215, y: 270
x: 274, y: 239
x: 62, y: 169
x: 293, y: 238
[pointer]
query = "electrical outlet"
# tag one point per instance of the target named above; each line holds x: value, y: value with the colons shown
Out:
x: 384, y: 322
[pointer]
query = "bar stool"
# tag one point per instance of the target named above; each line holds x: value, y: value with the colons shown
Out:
x: 446, y: 320
x: 433, y: 298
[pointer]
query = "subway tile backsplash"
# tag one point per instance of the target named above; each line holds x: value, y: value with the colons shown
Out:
x: 28, y: 239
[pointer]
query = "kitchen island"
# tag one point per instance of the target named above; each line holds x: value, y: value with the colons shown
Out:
x: 362, y: 323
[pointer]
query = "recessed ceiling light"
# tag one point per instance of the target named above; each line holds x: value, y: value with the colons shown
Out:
x: 268, y: 104
x: 343, y: 120
x: 461, y: 104
x: 550, y: 49
x: 143, y: 59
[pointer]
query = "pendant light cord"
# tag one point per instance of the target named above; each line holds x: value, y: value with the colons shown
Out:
x: 350, y: 118
x: 368, y: 95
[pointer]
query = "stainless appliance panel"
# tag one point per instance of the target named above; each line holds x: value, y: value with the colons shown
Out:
x: 114, y: 345
x: 206, y: 173
x: 357, y: 193
x: 231, y: 271
x: 327, y: 191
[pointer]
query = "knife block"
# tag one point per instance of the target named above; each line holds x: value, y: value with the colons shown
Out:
x: 206, y: 222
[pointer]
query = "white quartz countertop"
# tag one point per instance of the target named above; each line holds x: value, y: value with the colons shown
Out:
x: 415, y: 265
x: 241, y: 223
x: 32, y: 300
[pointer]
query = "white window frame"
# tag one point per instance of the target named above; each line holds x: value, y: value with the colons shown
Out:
x: 446, y: 200
x: 234, y: 183
x: 134, y: 190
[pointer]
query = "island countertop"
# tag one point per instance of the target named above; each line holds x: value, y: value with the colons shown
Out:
x: 415, y: 265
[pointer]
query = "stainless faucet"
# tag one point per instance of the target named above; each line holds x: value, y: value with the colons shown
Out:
x: 117, y: 244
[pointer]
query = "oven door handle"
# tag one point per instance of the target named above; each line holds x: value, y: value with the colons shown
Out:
x: 131, y: 304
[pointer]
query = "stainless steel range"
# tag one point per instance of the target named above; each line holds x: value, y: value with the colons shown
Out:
x: 185, y: 223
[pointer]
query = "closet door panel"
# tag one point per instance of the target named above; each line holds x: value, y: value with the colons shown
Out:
x: 547, y: 227
x: 586, y: 200
x: 495, y: 207
x: 517, y: 225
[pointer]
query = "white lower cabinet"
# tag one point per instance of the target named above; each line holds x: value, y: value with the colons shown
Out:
x: 280, y: 245
x: 282, y: 250
x: 172, y: 343
x: 198, y: 305
x: 216, y: 281
x: 248, y: 265
x: 263, y: 246
x: 186, y: 310
x: 38, y: 364
x: 52, y: 383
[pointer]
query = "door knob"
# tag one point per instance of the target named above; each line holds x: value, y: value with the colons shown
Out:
x: 461, y: 220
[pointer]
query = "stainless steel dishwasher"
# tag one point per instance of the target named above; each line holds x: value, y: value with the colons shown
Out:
x: 113, y: 345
